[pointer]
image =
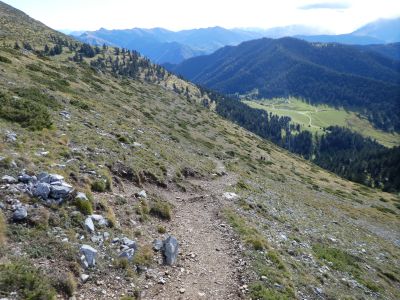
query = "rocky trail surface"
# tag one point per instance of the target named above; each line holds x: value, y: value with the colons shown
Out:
x: 209, y: 265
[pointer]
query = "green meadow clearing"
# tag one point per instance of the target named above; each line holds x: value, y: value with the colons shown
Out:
x: 317, y: 117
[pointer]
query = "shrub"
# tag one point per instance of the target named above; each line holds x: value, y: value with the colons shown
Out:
x: 121, y: 263
x: 66, y: 284
x: 80, y: 104
x: 99, y: 186
x: 161, y: 229
x: 142, y: 209
x: 5, y: 60
x: 3, y: 230
x: 6, y: 163
x: 26, y: 280
x: 161, y: 209
x: 40, y: 218
x: 26, y: 112
x: 84, y: 206
x: 111, y: 218
x: 144, y: 256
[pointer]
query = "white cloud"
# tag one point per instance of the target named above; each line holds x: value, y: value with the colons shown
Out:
x: 183, y: 14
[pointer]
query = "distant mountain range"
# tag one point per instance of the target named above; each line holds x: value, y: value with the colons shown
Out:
x: 379, y: 32
x: 162, y: 45
x: 334, y: 74
x: 165, y: 46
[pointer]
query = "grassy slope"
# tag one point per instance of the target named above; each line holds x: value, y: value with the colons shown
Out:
x: 322, y: 116
x: 292, y: 204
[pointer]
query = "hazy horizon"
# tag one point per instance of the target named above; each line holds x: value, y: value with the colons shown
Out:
x: 334, y: 17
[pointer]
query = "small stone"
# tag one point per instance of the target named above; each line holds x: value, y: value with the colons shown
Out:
x: 128, y: 242
x: 161, y: 280
x: 201, y: 294
x: 84, y: 277
x: 157, y: 245
x: 128, y: 254
x: 11, y: 137
x: 230, y: 196
x: 8, y: 179
x: 182, y: 290
x: 89, y: 224
x: 81, y: 196
x: 20, y: 214
x: 142, y: 194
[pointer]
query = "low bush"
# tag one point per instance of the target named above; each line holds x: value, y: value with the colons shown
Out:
x: 161, y: 209
x: 66, y: 284
x: 3, y: 230
x: 144, y: 256
x: 84, y: 206
x: 27, y: 281
x: 26, y: 112
x: 5, y: 60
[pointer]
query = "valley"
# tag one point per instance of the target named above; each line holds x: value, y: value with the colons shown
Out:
x: 315, y: 118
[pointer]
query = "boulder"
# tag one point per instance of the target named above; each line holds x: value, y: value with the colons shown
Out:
x: 20, y: 214
x: 101, y: 221
x: 50, y: 178
x: 41, y: 190
x: 89, y: 224
x: 25, y: 178
x: 158, y: 245
x: 42, y: 177
x: 8, y: 179
x: 170, y: 250
x: 89, y: 255
x: 59, y: 191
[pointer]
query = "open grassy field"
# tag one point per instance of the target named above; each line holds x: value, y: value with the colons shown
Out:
x: 315, y: 118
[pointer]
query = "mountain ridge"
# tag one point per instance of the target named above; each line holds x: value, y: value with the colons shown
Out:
x: 275, y: 68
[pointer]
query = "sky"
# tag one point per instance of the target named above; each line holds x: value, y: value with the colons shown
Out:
x: 330, y: 16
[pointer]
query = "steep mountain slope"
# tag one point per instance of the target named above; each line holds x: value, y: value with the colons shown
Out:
x: 333, y: 74
x: 251, y: 220
x: 391, y: 51
x: 165, y: 46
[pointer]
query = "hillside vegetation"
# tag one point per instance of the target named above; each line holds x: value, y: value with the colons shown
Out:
x: 131, y: 153
x: 333, y: 74
x: 316, y: 118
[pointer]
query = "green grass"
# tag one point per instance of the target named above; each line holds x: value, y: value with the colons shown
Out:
x: 340, y: 260
x: 28, y: 112
x: 261, y: 292
x: 26, y: 280
x: 249, y: 234
x: 316, y: 117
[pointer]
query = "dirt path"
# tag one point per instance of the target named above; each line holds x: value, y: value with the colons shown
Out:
x: 209, y: 264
